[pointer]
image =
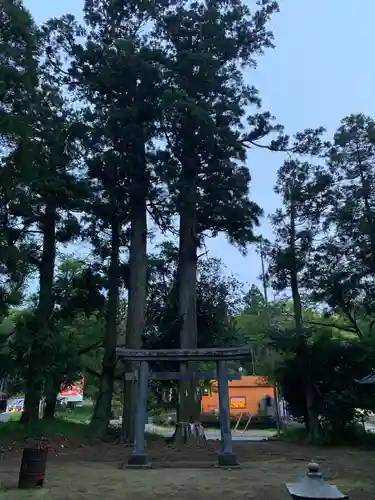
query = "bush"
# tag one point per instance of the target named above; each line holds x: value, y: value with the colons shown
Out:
x: 333, y: 366
x: 352, y: 435
x: 79, y: 414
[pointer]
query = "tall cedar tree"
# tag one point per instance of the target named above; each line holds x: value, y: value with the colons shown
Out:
x: 54, y: 193
x: 38, y: 151
x: 343, y: 269
x: 116, y: 71
x: 296, y: 226
x: 206, y: 46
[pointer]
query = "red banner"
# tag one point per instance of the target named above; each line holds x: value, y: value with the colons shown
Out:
x: 75, y: 389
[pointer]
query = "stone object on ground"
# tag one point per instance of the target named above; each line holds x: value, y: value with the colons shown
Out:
x: 312, y: 486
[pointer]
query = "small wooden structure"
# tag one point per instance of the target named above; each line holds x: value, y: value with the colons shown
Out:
x: 245, y: 395
x: 182, y: 356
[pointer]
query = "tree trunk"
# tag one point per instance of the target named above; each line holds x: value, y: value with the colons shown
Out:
x: 52, y: 392
x: 137, y: 289
x: 314, y: 425
x: 297, y: 307
x: 187, y: 433
x: 34, y: 379
x: 103, y: 404
x: 189, y: 399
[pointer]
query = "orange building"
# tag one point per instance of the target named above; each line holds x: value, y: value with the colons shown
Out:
x: 245, y: 395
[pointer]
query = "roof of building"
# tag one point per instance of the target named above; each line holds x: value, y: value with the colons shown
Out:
x: 249, y: 381
x: 369, y: 379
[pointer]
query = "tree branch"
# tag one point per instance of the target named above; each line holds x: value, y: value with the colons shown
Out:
x: 335, y: 326
x: 353, y: 322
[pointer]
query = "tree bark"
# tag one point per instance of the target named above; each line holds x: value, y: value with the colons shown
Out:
x: 189, y: 399
x: 187, y: 433
x: 52, y: 392
x: 312, y: 415
x: 103, y: 404
x: 34, y: 379
x: 137, y: 287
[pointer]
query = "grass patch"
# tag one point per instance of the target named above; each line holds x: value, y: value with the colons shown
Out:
x: 355, y: 436
x: 80, y: 414
x: 15, y: 416
x: 152, y: 436
x: 296, y: 434
x: 14, y: 432
x: 259, y: 479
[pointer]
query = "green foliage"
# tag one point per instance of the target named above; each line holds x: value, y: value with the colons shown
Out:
x: 334, y: 365
x: 322, y: 253
x: 18, y: 48
x: 18, y: 69
x: 75, y: 332
x: 342, y: 265
x: 78, y: 289
x: 218, y: 301
x: 207, y: 45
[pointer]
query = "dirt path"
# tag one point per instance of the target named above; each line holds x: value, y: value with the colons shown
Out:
x: 214, y: 434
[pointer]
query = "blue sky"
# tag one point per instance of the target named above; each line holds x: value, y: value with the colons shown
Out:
x: 321, y: 70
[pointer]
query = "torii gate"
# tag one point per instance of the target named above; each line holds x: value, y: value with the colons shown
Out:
x: 182, y: 356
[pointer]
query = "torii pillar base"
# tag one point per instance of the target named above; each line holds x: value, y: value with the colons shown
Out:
x: 139, y: 461
x: 227, y: 460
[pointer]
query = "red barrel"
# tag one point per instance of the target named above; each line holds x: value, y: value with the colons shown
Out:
x: 33, y: 468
